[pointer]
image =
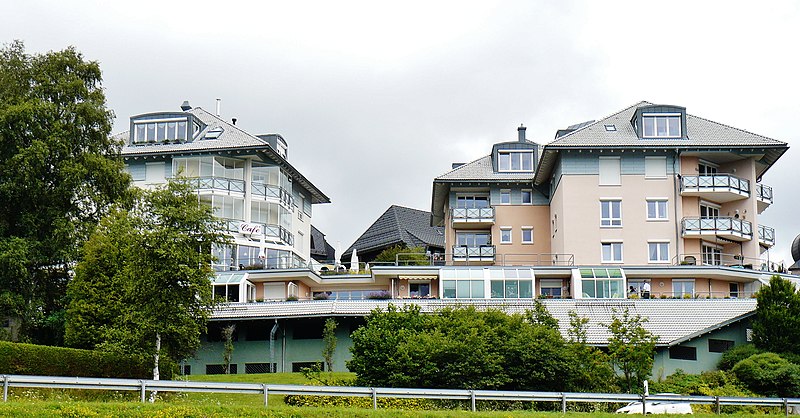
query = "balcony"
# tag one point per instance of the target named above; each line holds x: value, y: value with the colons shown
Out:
x: 718, y: 188
x: 766, y: 236
x: 721, y: 228
x: 482, y: 254
x: 462, y: 217
x: 763, y: 196
x: 268, y: 191
x: 231, y: 186
x: 268, y: 230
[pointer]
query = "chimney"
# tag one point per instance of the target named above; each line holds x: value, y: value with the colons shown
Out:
x: 233, y: 120
x: 219, y: 102
x: 185, y: 106
x: 521, y: 132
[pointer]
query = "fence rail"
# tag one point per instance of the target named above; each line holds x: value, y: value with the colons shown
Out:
x: 143, y: 386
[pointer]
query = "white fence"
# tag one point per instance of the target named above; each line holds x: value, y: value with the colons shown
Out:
x: 142, y: 386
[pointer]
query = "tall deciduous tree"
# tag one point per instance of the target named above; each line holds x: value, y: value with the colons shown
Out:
x: 631, y: 348
x: 144, y: 285
x: 59, y: 171
x: 329, y: 342
x: 777, y: 317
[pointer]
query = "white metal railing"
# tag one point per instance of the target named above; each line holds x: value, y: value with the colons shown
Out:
x: 716, y: 182
x: 764, y: 193
x: 718, y: 225
x: 471, y: 396
x: 467, y: 252
x: 472, y: 214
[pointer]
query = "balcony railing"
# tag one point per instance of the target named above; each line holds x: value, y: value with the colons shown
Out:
x: 732, y: 186
x: 481, y: 253
x: 472, y: 215
x: 766, y: 235
x: 723, y: 226
x: 275, y: 231
x: 763, y: 196
x: 271, y: 191
x: 218, y: 183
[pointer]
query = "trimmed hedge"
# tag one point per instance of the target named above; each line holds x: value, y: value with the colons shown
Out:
x: 30, y: 359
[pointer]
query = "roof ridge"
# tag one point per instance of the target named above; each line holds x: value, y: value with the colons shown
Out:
x: 598, y: 121
x: 464, y: 165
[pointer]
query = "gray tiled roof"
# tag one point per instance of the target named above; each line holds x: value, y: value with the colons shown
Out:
x: 671, y: 320
x: 321, y: 250
x: 399, y: 225
x: 700, y: 133
x: 481, y: 169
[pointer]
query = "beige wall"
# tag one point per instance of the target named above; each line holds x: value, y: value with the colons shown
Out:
x: 580, y: 218
x: 516, y: 217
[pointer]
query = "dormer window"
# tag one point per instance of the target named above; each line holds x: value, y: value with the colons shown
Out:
x: 159, y: 130
x: 515, y: 160
x: 661, y: 125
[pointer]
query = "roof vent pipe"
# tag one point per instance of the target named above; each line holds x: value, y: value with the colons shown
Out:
x: 219, y: 102
x: 185, y: 106
x: 233, y: 120
x: 521, y: 132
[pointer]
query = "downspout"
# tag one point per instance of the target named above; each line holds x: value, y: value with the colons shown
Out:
x: 272, y: 363
x: 283, y: 352
x: 676, y: 194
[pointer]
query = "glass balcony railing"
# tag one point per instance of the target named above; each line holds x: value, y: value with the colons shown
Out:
x: 766, y: 235
x: 716, y: 183
x: 475, y: 215
x: 218, y: 183
x: 483, y: 253
x: 724, y: 226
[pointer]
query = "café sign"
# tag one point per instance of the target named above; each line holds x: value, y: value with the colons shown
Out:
x: 247, y: 228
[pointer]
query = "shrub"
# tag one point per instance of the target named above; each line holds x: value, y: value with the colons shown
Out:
x: 43, y: 360
x: 737, y: 354
x: 769, y: 374
x: 379, y: 295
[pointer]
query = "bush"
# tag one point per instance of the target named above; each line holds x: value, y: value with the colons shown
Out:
x: 769, y: 374
x: 382, y: 294
x: 29, y: 359
x: 737, y: 354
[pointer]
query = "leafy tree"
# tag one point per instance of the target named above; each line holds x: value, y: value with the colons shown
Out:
x: 541, y: 316
x: 414, y: 256
x: 777, y: 312
x: 329, y: 342
x: 770, y: 375
x: 631, y: 348
x: 592, y: 367
x: 144, y: 286
x: 59, y: 172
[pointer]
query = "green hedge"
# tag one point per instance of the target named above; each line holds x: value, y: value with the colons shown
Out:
x: 44, y: 360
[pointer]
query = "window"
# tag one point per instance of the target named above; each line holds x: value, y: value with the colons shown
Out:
x: 472, y: 202
x: 682, y: 288
x: 610, y: 213
x: 733, y: 289
x: 260, y: 367
x: 527, y: 235
x: 661, y: 125
x: 505, y: 235
x: 656, y: 209
x: 655, y: 167
x: 462, y: 289
x: 707, y: 169
x: 610, y: 128
x: 609, y: 171
x: 712, y: 256
x: 512, y: 289
x: 611, y: 252
x: 505, y: 197
x: 602, y: 283
x: 472, y: 239
x: 719, y: 346
x: 679, y: 352
x: 220, y: 368
x: 159, y: 130
x: 527, y: 197
x: 658, y: 252
x: 419, y: 290
x: 515, y: 160
x: 708, y: 210
x: 550, y: 288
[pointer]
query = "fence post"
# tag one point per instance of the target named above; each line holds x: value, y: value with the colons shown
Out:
x: 5, y: 388
x: 644, y: 405
x: 143, y: 390
x: 786, y: 405
x: 563, y: 403
x: 472, y: 399
x: 266, y: 395
x: 374, y: 398
x: 716, y: 401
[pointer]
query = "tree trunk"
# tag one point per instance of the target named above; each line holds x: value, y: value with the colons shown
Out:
x: 156, y: 374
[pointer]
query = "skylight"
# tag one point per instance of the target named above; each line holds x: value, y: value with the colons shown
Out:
x: 214, y: 133
x: 611, y: 128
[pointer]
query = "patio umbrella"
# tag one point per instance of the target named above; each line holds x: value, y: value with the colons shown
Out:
x: 354, y: 262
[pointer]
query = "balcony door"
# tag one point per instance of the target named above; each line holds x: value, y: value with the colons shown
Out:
x: 472, y: 239
x: 472, y: 201
x: 708, y: 211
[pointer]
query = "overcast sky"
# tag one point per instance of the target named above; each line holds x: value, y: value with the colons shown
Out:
x: 376, y: 99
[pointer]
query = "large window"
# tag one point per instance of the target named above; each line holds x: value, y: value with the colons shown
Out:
x: 602, y: 283
x: 658, y: 125
x: 230, y: 168
x: 229, y: 207
x: 680, y: 352
x: 610, y: 171
x: 551, y: 288
x: 511, y: 283
x: 266, y: 174
x: 719, y: 346
x: 472, y: 202
x: 462, y: 289
x: 472, y: 239
x: 658, y: 252
x: 611, y: 213
x: 172, y: 129
x: 656, y: 209
x: 712, y: 255
x: 682, y: 288
x: 515, y: 160
x: 611, y: 252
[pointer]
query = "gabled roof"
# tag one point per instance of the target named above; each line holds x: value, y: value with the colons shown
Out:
x: 398, y: 225
x: 701, y: 135
x: 232, y: 138
x: 320, y: 248
x: 673, y: 321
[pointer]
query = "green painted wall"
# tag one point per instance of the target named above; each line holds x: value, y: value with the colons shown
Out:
x: 706, y: 360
